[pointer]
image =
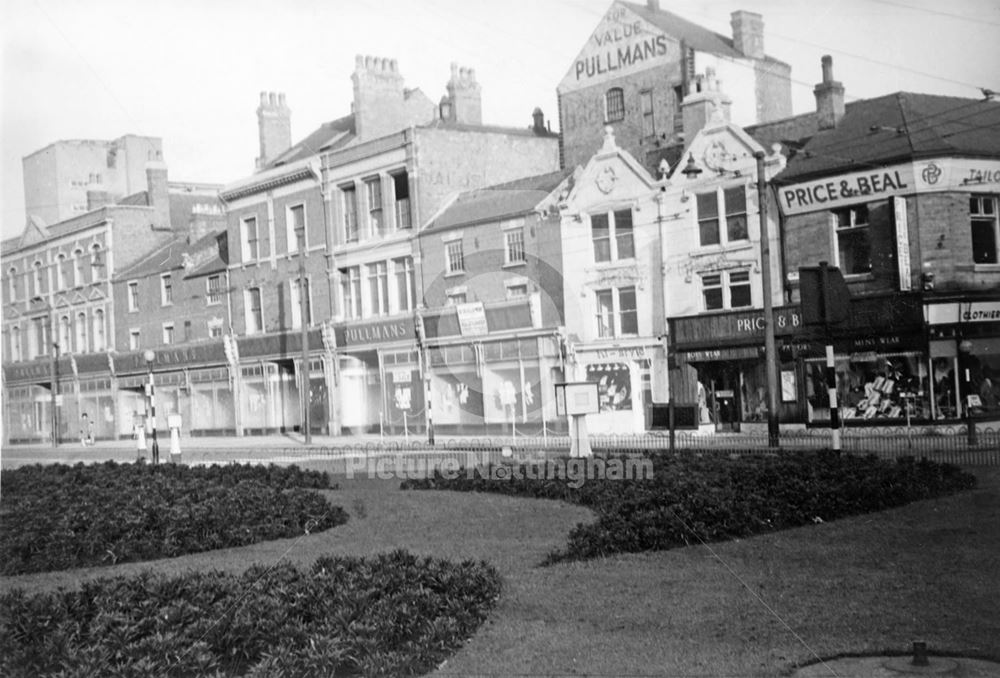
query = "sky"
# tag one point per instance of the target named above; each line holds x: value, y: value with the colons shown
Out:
x: 191, y: 71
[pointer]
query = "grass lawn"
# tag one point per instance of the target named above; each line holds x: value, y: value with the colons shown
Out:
x: 871, y: 583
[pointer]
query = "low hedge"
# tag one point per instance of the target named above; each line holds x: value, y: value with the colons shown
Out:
x: 712, y: 497
x: 58, y: 517
x: 390, y: 615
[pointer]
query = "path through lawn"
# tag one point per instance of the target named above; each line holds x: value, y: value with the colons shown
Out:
x: 871, y: 583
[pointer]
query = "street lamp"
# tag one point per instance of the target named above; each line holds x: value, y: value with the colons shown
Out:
x: 150, y: 356
x: 965, y: 356
x: 300, y: 234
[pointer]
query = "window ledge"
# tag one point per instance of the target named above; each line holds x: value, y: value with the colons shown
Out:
x: 986, y: 268
x: 710, y: 250
x: 859, y: 277
x: 454, y: 274
x: 515, y: 264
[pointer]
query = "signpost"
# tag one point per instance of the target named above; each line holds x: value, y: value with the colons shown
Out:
x: 826, y: 303
x: 577, y: 399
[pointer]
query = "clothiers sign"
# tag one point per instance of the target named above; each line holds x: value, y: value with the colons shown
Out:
x: 957, y: 313
x: 924, y: 176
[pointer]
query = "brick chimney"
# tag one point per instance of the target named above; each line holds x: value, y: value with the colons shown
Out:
x: 706, y: 103
x: 158, y: 193
x: 274, y: 124
x: 748, y: 33
x: 653, y: 5
x: 538, y: 121
x: 829, y: 97
x: 465, y: 96
x: 379, y: 97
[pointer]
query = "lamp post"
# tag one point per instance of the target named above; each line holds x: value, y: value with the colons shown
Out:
x: 150, y: 356
x: 770, y: 354
x: 300, y: 235
x: 965, y: 356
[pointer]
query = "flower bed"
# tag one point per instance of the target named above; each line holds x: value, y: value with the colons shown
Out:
x: 59, y: 517
x: 695, y: 497
x: 390, y: 615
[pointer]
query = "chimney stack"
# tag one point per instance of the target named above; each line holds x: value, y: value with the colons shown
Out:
x: 274, y: 124
x: 158, y: 192
x: 97, y: 199
x: 748, y: 33
x: 538, y: 120
x: 653, y: 5
x: 829, y: 97
x: 465, y: 96
x: 707, y: 103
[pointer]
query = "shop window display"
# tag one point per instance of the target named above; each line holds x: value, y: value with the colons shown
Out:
x: 871, y: 387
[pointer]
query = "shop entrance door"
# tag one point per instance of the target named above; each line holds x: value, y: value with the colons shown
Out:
x: 724, y: 394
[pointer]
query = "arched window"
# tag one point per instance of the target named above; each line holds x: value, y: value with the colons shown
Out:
x: 81, y: 332
x: 98, y: 332
x: 65, y: 335
x: 12, y: 284
x: 37, y: 278
x: 61, y: 272
x: 77, y: 268
x: 96, y: 262
x: 614, y: 104
x: 15, y: 343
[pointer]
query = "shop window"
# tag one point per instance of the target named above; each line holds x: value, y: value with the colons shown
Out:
x: 612, y: 235
x: 373, y: 191
x: 166, y: 290
x: 350, y: 207
x: 214, y: 289
x: 133, y: 295
x: 732, y: 204
x: 295, y: 227
x: 985, y: 229
x: 254, y: 311
x: 614, y: 385
x: 249, y: 239
x: 616, y: 312
x: 726, y: 289
x: 854, y: 250
x: 614, y: 104
x: 406, y: 287
x: 455, y: 257
x: 514, y: 246
x: 646, y: 106
x: 378, y: 288
x: 871, y: 386
x: 350, y: 292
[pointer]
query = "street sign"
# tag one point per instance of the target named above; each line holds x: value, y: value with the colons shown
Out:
x: 825, y: 297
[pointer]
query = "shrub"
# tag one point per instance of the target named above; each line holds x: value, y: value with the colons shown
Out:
x: 695, y: 497
x: 389, y: 615
x: 58, y: 517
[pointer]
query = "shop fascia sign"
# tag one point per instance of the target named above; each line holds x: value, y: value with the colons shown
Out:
x: 383, y: 332
x: 956, y: 313
x: 924, y: 176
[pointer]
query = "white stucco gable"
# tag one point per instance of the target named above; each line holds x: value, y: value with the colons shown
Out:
x: 611, y: 176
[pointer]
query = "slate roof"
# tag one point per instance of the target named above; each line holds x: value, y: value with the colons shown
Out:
x: 493, y: 203
x: 694, y: 36
x: 328, y: 136
x: 170, y: 256
x: 897, y: 128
